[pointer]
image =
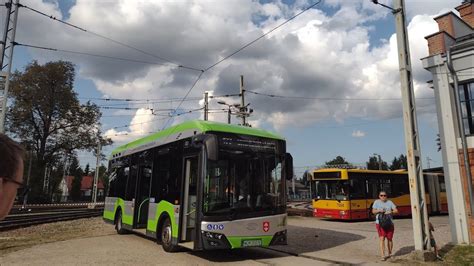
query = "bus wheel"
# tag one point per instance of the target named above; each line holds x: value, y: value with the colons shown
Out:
x: 119, y: 224
x: 166, y: 237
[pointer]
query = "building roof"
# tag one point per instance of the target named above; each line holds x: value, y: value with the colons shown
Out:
x: 86, y: 182
x: 194, y: 126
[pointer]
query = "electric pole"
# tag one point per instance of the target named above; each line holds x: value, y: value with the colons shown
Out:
x: 25, y: 199
x: 380, y: 161
x: 229, y: 112
x: 96, y: 175
x: 6, y: 53
x: 243, y: 108
x: 428, y: 160
x: 206, y: 105
x: 415, y: 170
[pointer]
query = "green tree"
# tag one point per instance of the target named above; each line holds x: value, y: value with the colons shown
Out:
x: 47, y: 116
x: 399, y: 163
x: 77, y: 173
x: 87, y: 170
x: 339, y: 160
x: 375, y: 164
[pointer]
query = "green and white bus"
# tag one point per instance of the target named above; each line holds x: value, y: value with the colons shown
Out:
x: 201, y: 185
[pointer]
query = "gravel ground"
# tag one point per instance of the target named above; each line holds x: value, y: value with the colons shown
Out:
x: 311, y: 242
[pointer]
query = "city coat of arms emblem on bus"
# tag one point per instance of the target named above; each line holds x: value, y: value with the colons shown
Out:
x: 266, y: 226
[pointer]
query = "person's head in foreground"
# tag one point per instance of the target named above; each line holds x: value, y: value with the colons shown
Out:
x: 11, y: 173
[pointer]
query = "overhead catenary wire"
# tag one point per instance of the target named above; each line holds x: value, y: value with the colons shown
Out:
x: 158, y: 119
x: 330, y: 98
x: 89, y: 54
x: 184, y: 98
x: 109, y: 39
x: 240, y: 49
x: 261, y: 36
x: 157, y: 100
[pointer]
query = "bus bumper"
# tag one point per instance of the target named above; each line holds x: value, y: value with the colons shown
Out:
x: 252, y: 232
x: 332, y: 214
x: 213, y: 240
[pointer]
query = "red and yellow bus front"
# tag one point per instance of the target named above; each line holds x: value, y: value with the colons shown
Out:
x: 332, y: 209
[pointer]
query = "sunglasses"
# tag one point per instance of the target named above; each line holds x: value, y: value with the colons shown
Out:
x: 382, y: 195
x: 22, y: 188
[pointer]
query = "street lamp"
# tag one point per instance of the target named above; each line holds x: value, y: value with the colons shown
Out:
x: 229, y: 110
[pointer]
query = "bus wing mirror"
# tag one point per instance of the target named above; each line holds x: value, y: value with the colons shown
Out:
x: 210, y: 141
x: 288, y: 166
x: 212, y: 147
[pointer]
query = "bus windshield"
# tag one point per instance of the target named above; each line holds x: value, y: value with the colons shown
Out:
x: 243, y: 182
x: 332, y: 189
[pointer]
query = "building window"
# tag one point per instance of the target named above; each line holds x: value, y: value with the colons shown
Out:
x: 466, y: 95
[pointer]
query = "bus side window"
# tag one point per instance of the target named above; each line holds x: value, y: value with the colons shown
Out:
x: 357, y: 188
x: 400, y: 186
x: 442, y: 184
x: 385, y: 185
x: 132, y: 180
x: 112, y: 183
x: 373, y: 188
x: 121, y: 184
x: 161, y: 173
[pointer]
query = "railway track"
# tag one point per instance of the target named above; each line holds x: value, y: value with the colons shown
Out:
x: 26, y: 219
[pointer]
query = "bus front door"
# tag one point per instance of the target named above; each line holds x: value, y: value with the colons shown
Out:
x: 189, y: 203
x: 142, y: 199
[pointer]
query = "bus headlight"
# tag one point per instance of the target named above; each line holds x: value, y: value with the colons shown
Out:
x: 212, y: 235
x: 213, y: 240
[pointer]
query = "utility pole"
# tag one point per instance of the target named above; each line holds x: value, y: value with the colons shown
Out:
x: 428, y: 159
x: 229, y: 112
x: 380, y: 161
x: 243, y: 109
x: 206, y: 105
x: 415, y: 171
x: 25, y: 199
x: 96, y: 175
x: 6, y: 52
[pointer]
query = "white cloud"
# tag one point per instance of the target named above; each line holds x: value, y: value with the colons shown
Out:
x: 142, y: 124
x: 315, y: 55
x: 358, y: 133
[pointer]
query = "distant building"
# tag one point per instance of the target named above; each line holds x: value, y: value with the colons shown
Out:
x: 86, y: 188
x: 453, y: 45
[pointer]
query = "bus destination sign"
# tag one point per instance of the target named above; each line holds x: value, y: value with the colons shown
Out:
x: 253, y: 144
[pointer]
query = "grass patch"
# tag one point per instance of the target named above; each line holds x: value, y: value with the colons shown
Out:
x: 14, y: 240
x: 460, y: 255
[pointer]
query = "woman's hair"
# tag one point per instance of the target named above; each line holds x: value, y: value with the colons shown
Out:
x: 11, y: 154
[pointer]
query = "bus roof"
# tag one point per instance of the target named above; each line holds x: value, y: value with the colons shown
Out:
x: 360, y: 171
x: 195, y: 126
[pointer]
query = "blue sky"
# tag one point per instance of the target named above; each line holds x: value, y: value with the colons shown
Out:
x: 315, y: 131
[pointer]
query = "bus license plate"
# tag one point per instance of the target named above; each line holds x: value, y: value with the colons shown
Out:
x: 252, y: 243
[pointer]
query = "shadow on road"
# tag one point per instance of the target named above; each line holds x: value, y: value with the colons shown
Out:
x: 300, y: 240
x: 404, y: 250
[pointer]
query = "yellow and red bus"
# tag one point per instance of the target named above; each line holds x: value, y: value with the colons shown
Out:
x: 348, y: 194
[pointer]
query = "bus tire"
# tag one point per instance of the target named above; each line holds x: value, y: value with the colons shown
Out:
x: 119, y: 224
x: 166, y: 236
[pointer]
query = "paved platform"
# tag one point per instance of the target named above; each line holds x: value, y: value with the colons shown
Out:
x: 311, y: 242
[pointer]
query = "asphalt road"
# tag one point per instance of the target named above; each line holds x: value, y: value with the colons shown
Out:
x: 311, y: 242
